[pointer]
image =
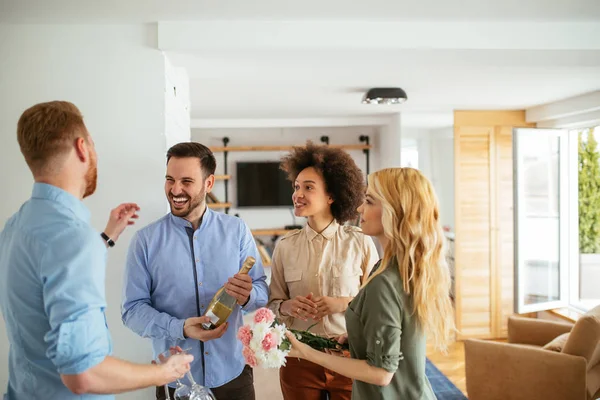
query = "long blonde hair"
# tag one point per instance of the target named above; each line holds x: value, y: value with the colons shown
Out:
x: 410, y: 218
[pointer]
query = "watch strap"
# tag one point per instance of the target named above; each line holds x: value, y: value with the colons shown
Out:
x: 108, y: 240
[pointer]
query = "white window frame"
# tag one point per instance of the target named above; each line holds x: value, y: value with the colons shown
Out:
x: 573, y: 189
x: 564, y: 225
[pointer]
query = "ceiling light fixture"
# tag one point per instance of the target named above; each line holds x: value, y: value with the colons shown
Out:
x: 385, y: 96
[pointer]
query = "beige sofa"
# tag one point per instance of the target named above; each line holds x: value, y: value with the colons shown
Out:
x: 523, y: 369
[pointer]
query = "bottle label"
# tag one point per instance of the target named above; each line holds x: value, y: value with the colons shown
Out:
x: 213, y: 318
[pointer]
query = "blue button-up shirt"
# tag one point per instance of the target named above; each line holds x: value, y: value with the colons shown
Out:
x: 172, y: 274
x: 52, y: 270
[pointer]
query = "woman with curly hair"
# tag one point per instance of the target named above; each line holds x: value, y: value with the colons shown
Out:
x: 406, y: 296
x: 318, y: 270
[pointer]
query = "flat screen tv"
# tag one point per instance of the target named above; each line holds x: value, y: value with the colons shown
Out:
x: 262, y: 184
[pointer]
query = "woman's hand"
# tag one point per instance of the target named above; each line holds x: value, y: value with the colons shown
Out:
x: 299, y: 307
x: 331, y: 305
x: 339, y: 352
x: 299, y: 349
x: 342, y: 338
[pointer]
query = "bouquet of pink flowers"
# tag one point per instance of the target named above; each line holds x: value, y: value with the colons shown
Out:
x: 264, y: 341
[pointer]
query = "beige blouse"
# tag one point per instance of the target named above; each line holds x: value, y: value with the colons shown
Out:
x: 333, y: 263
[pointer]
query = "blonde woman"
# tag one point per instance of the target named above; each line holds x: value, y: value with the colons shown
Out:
x: 318, y: 270
x: 405, y: 297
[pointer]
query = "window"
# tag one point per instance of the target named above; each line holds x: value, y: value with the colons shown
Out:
x: 550, y: 272
x: 540, y: 221
x: 585, y: 290
x: 409, y: 153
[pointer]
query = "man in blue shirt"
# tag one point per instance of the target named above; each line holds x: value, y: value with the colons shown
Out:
x: 176, y: 265
x: 52, y: 270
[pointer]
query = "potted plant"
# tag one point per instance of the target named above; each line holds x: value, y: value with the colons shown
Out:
x: 589, y: 214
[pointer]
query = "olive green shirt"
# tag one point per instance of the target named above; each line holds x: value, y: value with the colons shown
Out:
x: 383, y: 330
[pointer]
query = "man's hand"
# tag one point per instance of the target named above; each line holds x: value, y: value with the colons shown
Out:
x: 173, y: 367
x: 192, y: 328
x: 239, y: 286
x: 120, y: 218
x: 330, y: 305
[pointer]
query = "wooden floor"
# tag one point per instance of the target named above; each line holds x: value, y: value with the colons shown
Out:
x: 452, y: 364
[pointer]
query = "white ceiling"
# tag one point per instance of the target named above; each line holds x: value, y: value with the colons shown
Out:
x: 85, y: 11
x: 280, y: 59
x: 331, y: 84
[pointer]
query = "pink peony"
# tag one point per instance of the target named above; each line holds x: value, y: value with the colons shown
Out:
x: 245, y: 335
x: 264, y: 315
x: 249, y: 357
x: 270, y: 341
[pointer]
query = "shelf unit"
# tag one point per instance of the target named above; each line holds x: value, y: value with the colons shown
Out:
x: 222, y: 149
x: 217, y: 206
x: 270, y: 232
x: 225, y: 149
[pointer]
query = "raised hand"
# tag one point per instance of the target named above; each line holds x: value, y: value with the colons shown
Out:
x: 119, y: 218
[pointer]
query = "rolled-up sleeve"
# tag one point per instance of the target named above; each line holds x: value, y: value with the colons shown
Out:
x: 382, y: 322
x: 73, y: 274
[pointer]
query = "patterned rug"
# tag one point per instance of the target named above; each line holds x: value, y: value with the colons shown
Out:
x: 442, y: 387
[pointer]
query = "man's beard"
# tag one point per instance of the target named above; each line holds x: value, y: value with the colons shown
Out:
x: 91, y: 178
x: 192, y: 204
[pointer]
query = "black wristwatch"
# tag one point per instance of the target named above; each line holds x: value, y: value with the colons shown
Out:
x: 108, y: 240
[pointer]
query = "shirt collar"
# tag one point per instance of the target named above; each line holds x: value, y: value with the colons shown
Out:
x: 328, y: 233
x: 53, y: 193
x: 187, y: 224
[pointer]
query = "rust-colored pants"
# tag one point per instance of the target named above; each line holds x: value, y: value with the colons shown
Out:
x: 303, y: 380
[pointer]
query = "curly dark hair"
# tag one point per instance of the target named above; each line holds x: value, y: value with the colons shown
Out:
x: 344, y: 181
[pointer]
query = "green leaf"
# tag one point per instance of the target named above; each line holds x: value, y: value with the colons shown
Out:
x: 589, y: 192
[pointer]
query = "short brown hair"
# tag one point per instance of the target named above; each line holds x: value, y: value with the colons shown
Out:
x: 195, y: 150
x: 46, y: 131
x: 344, y: 181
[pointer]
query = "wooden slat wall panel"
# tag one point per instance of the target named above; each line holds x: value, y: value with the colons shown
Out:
x: 472, y: 256
x: 484, y: 221
x: 505, y: 239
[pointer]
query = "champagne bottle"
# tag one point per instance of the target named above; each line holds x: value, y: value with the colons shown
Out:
x: 222, y: 304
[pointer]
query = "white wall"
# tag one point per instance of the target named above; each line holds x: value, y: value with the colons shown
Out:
x: 177, y: 105
x: 442, y: 172
x: 116, y: 77
x: 436, y: 161
x: 267, y: 218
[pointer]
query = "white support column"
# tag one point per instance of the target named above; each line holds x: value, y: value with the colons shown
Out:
x: 424, y: 149
x: 389, y: 143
